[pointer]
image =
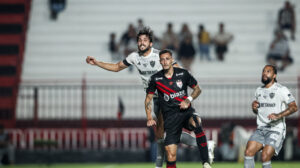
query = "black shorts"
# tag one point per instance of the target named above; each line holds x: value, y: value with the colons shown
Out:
x: 278, y: 57
x: 221, y: 49
x: 174, y: 123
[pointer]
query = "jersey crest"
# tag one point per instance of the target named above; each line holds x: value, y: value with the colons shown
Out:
x: 152, y: 63
x: 179, y: 83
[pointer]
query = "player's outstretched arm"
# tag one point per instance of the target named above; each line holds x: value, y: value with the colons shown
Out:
x: 292, y: 108
x: 107, y: 66
x: 148, y: 109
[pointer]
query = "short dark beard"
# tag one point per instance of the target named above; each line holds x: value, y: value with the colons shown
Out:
x: 265, y: 82
x: 142, y: 52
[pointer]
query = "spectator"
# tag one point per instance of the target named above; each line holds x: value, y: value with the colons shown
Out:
x: 279, y: 51
x: 5, y: 147
x: 56, y: 6
x: 221, y: 40
x: 286, y: 19
x: 128, y: 42
x: 140, y: 24
x: 114, y: 48
x: 204, y: 43
x: 186, y: 53
x: 185, y: 31
x: 169, y: 40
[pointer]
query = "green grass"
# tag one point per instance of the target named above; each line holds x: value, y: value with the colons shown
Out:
x: 151, y: 165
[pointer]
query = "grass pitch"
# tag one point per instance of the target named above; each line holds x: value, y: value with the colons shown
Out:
x: 151, y: 165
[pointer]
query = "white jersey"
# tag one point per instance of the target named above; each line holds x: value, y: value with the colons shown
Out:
x: 146, y: 65
x: 274, y: 99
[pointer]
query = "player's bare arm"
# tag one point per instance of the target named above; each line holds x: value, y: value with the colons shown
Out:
x: 107, y: 66
x: 292, y: 108
x: 255, y: 105
x: 148, y: 109
x: 186, y: 103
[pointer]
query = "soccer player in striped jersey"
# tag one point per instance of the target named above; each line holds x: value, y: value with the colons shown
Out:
x: 171, y: 83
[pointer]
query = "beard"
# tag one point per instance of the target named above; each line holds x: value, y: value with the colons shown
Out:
x: 141, y: 52
x: 267, y: 81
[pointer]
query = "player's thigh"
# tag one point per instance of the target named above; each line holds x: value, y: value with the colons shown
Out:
x: 275, y: 139
x: 267, y: 153
x: 252, y: 148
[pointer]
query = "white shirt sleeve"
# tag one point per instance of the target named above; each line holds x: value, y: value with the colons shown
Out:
x: 287, y: 96
x: 130, y: 58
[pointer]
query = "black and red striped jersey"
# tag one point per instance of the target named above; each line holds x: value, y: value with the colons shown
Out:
x: 171, y: 91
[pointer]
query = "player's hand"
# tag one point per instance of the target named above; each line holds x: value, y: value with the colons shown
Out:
x: 274, y: 116
x: 151, y: 122
x: 185, y: 104
x: 255, y: 105
x: 90, y: 60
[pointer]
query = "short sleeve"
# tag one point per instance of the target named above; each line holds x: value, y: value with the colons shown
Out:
x: 129, y: 60
x: 191, y: 81
x: 151, y: 86
x: 287, y: 96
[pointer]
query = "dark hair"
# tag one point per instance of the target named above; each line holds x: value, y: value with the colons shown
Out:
x: 145, y: 31
x: 274, y: 70
x: 164, y: 51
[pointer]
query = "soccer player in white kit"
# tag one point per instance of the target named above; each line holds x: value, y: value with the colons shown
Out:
x: 146, y: 60
x: 273, y: 102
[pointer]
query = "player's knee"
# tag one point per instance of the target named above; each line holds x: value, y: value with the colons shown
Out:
x: 265, y: 156
x: 171, y: 157
x: 249, y: 152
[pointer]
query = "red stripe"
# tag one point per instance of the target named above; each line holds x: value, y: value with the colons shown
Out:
x: 150, y: 92
x: 171, y: 166
x: 164, y: 86
x: 162, y: 90
x: 201, y: 134
x: 203, y: 144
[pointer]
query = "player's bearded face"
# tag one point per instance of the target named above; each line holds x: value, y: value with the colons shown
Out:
x: 267, y: 76
x: 144, y: 44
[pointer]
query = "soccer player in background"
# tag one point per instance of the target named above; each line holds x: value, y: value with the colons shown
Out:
x: 171, y: 83
x: 146, y: 60
x: 273, y: 102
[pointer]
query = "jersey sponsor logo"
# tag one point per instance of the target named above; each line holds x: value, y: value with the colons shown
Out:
x: 152, y: 63
x: 160, y: 78
x: 166, y: 97
x: 179, y: 74
x: 179, y: 83
x: 272, y: 95
x: 147, y: 72
x: 267, y: 105
x: 177, y: 94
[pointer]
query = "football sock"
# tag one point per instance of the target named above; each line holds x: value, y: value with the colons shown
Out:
x: 188, y: 139
x: 171, y: 164
x: 201, y: 143
x: 249, y: 162
x: 160, y: 153
x: 266, y: 164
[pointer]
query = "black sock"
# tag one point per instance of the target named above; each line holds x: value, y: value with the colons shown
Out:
x: 202, y: 144
x: 171, y: 164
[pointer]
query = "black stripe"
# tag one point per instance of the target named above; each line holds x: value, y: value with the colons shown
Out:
x: 126, y: 63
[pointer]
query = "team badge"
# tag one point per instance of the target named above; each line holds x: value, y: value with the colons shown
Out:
x: 171, y: 83
x: 272, y: 95
x: 166, y: 97
x: 179, y: 83
x: 152, y: 63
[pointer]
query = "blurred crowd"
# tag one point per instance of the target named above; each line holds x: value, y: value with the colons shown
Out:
x: 186, y: 44
x: 181, y: 43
